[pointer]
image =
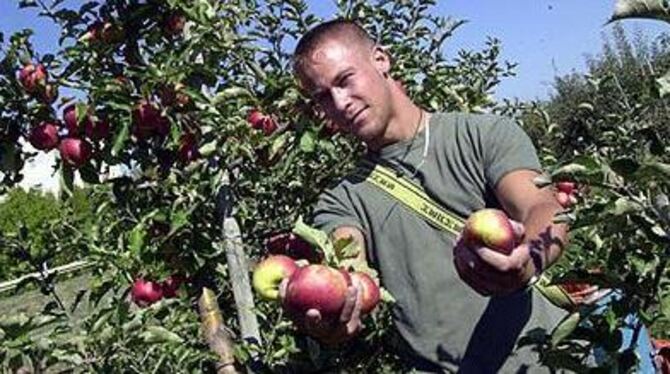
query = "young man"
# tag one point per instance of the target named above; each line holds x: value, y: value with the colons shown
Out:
x: 459, y: 308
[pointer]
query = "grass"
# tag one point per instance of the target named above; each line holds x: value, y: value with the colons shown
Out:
x: 31, y: 302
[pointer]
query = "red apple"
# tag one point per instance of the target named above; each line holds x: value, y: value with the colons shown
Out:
x: 145, y: 292
x: 289, y: 244
x: 260, y: 121
x: 70, y: 119
x: 316, y: 287
x: 270, y: 272
x: 255, y: 118
x: 174, y: 24
x: 371, y: 295
x: 171, y: 285
x: 75, y: 152
x: 188, y: 148
x: 491, y: 228
x: 111, y: 33
x: 148, y: 121
x: 33, y: 77
x: 44, y: 136
x: 566, y: 186
x: 174, y: 95
x: 104, y: 32
x: 97, y: 130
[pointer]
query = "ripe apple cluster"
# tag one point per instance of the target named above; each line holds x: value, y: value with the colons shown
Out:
x: 313, y: 286
x: 145, y: 292
x: 34, y: 80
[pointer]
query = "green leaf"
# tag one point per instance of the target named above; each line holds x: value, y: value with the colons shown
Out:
x: 386, y: 296
x: 307, y: 143
x: 66, y: 179
x: 317, y: 238
x: 278, y: 146
x: 663, y: 85
x: 158, y: 334
x: 136, y: 238
x: 624, y: 205
x: 207, y: 149
x: 120, y: 139
x: 178, y: 220
x: 565, y: 328
x: 586, y: 107
x: 650, y: 9
x: 625, y: 167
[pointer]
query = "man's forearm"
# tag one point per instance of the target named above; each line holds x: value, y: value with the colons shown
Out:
x: 546, y: 239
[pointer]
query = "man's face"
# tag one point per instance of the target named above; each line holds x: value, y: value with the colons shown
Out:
x: 347, y: 81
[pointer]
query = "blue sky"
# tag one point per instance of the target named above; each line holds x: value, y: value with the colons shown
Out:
x: 546, y: 37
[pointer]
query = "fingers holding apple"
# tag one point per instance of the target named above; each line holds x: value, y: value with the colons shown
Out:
x: 488, y: 255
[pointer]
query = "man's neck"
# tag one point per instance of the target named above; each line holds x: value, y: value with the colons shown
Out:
x: 406, y: 123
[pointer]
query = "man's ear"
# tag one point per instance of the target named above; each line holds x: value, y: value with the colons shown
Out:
x: 381, y: 60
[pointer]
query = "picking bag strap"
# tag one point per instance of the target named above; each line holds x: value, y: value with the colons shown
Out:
x: 415, y: 198
x: 412, y: 196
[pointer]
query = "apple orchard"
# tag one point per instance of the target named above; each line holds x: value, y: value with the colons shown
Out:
x: 187, y: 128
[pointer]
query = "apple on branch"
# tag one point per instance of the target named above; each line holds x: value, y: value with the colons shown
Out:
x: 33, y: 77
x: 75, y: 152
x: 145, y: 292
x: 44, y: 136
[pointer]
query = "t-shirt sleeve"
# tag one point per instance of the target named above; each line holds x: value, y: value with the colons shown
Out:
x: 506, y: 147
x: 334, y: 210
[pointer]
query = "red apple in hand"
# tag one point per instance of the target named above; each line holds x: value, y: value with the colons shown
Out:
x: 370, y: 291
x: 269, y: 274
x: 75, y: 152
x: 316, y: 287
x: 44, y: 136
x: 145, y: 292
x: 491, y: 228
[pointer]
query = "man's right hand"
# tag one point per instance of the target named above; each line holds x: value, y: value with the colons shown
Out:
x: 348, y: 326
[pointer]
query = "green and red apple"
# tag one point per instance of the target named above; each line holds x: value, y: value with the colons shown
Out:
x: 269, y: 274
x: 490, y: 228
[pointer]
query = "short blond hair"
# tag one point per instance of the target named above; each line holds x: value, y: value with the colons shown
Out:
x: 335, y: 29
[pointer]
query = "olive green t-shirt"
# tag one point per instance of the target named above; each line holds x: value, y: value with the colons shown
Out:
x: 438, y: 316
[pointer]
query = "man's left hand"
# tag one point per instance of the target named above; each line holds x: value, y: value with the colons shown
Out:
x: 490, y: 272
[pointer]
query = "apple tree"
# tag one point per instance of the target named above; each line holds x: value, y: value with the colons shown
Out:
x: 184, y: 119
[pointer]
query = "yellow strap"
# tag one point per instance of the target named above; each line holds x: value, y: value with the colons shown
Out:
x: 416, y: 199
